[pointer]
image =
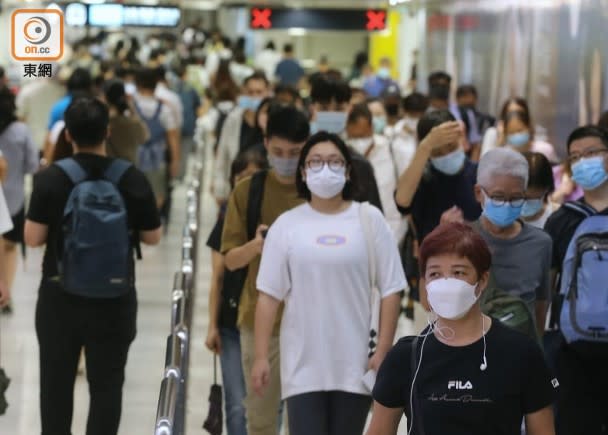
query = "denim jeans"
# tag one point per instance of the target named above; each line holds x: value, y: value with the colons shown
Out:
x: 234, y: 381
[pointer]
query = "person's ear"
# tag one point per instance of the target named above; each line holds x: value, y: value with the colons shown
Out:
x: 424, y: 299
x: 482, y: 285
x: 478, y: 194
x: 68, y: 136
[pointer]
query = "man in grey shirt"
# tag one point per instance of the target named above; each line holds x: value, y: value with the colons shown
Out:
x: 521, y: 254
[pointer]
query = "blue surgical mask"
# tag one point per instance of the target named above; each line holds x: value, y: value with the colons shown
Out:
x: 379, y: 124
x: 590, y: 172
x: 284, y: 167
x: 502, y: 216
x: 331, y: 122
x: 450, y: 164
x: 519, y: 139
x: 531, y: 207
x: 249, y: 103
x: 384, y: 73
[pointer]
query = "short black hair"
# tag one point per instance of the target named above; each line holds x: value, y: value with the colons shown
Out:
x: 288, y: 48
x: 87, y: 119
x: 257, y: 75
x: 114, y: 91
x: 323, y: 136
x: 2, y: 73
x: 325, y: 89
x: 80, y: 81
x: 286, y: 89
x: 243, y: 159
x: 439, y: 76
x: 146, y: 78
x: 270, y: 45
x: 161, y: 73
x: 588, y: 131
x: 360, y: 110
x: 464, y: 90
x: 431, y: 120
x: 289, y: 123
x: 540, y: 171
x: 415, y: 102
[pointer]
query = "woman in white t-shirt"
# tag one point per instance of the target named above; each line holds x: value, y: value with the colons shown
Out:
x: 315, y: 260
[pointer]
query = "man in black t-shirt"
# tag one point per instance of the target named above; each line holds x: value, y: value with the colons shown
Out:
x: 66, y: 323
x: 583, y: 404
x: 440, y: 178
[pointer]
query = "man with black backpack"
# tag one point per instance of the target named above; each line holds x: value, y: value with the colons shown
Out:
x: 91, y: 212
x: 253, y: 206
x: 580, y: 256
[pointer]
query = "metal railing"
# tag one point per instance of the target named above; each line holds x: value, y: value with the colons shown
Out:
x: 171, y: 411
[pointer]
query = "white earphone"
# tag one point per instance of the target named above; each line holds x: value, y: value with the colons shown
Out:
x: 483, y: 367
x: 484, y: 364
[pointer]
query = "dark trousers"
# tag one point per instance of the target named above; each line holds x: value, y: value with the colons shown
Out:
x: 328, y: 413
x: 583, y: 401
x: 66, y: 324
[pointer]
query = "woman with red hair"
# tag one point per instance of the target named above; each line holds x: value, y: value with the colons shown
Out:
x: 466, y: 374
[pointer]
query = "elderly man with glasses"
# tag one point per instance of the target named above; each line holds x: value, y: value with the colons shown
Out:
x: 521, y: 253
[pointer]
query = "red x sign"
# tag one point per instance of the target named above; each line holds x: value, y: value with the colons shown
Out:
x: 376, y: 20
x: 260, y: 18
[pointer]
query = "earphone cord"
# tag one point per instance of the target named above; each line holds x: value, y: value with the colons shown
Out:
x: 483, y: 366
x: 431, y: 328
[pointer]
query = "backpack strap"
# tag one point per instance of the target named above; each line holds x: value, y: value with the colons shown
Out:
x: 114, y: 174
x: 72, y: 169
x: 581, y: 208
x: 254, y: 205
x: 116, y: 171
x: 158, y: 109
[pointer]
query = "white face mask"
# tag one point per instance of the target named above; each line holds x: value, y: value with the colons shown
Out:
x: 451, y: 298
x: 361, y: 144
x: 326, y: 183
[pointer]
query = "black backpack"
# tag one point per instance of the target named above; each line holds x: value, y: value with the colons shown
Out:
x: 231, y: 293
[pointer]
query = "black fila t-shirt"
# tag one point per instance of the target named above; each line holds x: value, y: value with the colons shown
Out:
x: 456, y: 397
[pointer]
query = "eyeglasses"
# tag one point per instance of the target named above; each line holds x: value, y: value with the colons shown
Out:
x: 316, y: 165
x: 499, y: 200
x: 573, y: 158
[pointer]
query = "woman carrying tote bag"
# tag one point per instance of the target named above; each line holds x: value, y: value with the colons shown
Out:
x: 316, y: 260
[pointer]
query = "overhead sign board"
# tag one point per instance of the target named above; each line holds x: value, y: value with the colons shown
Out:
x: 262, y: 18
x: 121, y: 15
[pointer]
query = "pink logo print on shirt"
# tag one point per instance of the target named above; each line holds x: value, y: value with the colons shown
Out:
x: 331, y: 240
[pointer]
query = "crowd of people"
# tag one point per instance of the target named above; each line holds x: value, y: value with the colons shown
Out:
x: 344, y: 201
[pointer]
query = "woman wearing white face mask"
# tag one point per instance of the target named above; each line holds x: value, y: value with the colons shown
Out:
x: 467, y: 374
x: 315, y: 259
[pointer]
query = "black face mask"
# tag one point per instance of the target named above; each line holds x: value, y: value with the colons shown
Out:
x: 439, y: 92
x: 392, y: 109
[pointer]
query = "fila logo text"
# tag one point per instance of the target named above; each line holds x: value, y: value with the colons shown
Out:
x: 460, y: 385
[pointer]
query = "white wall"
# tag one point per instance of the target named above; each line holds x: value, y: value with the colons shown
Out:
x: 409, y: 40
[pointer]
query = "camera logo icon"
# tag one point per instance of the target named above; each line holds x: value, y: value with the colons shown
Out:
x: 37, y: 34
